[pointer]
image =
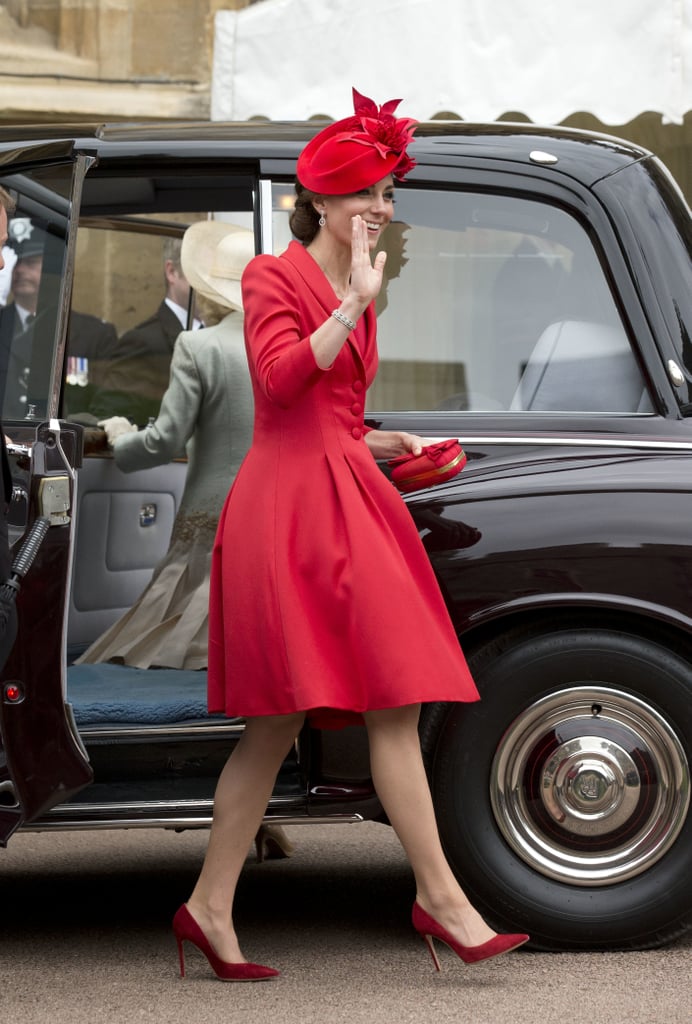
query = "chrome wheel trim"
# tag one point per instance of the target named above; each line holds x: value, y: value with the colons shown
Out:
x: 590, y: 786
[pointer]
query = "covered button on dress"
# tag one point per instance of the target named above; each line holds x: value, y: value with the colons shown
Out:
x: 322, y: 595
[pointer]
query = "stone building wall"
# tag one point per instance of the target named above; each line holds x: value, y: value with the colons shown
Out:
x: 82, y: 60
x: 108, y: 60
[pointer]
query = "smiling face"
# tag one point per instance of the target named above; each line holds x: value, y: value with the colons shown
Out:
x: 375, y: 205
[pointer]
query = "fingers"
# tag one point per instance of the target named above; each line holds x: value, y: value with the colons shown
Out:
x: 413, y: 443
x: 116, y: 426
x: 360, y: 235
x: 366, y: 272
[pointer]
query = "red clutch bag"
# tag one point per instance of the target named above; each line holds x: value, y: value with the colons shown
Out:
x: 436, y: 464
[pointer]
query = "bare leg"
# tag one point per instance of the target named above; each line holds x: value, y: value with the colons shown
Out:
x: 402, y: 786
x: 242, y: 794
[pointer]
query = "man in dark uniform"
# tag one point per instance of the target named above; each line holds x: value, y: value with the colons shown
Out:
x: 17, y: 319
x: 10, y: 625
x: 91, y: 344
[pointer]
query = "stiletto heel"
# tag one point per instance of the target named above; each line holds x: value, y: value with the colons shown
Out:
x: 186, y: 929
x: 427, y: 939
x: 428, y: 928
x: 181, y: 955
x: 272, y: 843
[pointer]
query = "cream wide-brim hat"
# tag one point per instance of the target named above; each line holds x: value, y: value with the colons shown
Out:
x: 213, y: 256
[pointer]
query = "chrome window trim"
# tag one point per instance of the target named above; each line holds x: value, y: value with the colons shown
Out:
x: 265, y: 213
x: 568, y: 442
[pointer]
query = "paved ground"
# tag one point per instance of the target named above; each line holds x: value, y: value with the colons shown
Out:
x: 85, y: 937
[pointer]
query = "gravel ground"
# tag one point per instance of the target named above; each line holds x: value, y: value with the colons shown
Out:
x: 86, y: 936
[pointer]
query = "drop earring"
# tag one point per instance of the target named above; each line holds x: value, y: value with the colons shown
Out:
x: 323, y: 220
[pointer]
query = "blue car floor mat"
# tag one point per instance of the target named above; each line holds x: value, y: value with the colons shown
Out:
x: 118, y: 694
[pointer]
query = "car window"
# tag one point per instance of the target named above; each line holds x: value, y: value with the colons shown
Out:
x: 121, y: 332
x: 494, y: 303
x: 664, y: 275
x: 498, y: 303
x: 118, y: 285
x: 30, y: 290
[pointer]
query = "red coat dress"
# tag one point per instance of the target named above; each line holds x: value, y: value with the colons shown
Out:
x: 322, y: 595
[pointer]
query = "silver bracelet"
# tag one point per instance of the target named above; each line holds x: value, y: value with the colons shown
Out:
x: 343, y: 319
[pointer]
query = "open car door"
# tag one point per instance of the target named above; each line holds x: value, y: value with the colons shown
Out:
x: 42, y: 760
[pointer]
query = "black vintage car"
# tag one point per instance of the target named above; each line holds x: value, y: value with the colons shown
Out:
x: 538, y: 306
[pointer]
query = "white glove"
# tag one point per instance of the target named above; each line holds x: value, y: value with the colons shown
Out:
x: 115, y: 426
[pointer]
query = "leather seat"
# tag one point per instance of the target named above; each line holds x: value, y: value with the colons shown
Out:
x: 580, y: 366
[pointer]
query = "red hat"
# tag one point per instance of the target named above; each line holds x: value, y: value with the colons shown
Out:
x: 357, y: 151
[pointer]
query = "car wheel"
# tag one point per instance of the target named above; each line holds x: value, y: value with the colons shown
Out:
x: 563, y: 796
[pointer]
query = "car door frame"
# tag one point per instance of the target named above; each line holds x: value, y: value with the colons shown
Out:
x: 42, y: 759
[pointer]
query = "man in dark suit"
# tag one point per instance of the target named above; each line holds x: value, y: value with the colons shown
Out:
x: 138, y: 374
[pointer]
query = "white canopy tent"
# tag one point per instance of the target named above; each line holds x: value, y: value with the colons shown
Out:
x: 478, y: 59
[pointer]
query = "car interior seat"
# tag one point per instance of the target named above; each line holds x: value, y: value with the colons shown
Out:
x: 580, y: 366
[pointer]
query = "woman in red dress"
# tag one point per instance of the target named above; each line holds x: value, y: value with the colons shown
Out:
x: 323, y: 601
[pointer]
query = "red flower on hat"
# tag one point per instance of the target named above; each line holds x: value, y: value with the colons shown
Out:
x: 353, y: 153
x: 381, y: 130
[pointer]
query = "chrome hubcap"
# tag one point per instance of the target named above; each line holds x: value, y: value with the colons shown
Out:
x: 590, y: 786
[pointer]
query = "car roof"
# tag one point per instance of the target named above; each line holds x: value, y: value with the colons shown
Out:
x: 586, y: 156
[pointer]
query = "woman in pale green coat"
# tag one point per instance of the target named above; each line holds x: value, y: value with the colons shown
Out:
x: 206, y: 411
